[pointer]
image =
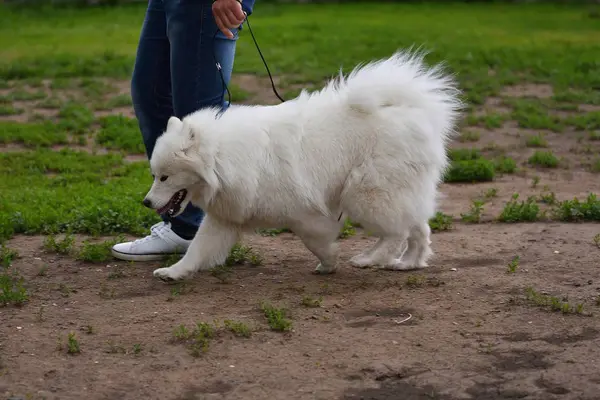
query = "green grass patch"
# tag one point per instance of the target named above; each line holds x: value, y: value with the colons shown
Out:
x: 97, y: 252
x: 552, y: 303
x: 520, y: 211
x: 42, y: 134
x: 470, y: 171
x: 120, y: 132
x: 579, y: 211
x: 276, y: 317
x: 66, y: 191
x: 534, y: 114
x: 505, y: 165
x: 440, y: 222
x: 12, y: 288
x: 544, y: 159
x: 536, y: 141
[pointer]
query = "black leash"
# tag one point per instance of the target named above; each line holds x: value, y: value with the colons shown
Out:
x: 219, y: 68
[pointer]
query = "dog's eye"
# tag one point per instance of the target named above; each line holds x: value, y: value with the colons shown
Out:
x: 163, y: 178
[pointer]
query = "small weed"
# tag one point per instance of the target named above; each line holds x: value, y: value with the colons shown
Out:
x: 73, y: 344
x: 474, y: 214
x: 490, y: 193
x: 544, y: 159
x: 137, y: 348
x: 97, y: 252
x: 536, y: 141
x: 7, y: 256
x: 63, y: 246
x: 308, y: 301
x: 415, y: 281
x: 552, y: 302
x: 12, y: 289
x: 238, y: 328
x: 347, y: 230
x: 505, y: 165
x: 201, y: 337
x: 276, y: 317
x: 469, y: 136
x: 241, y: 254
x: 513, y: 265
x: 89, y: 329
x: 535, y: 181
x: 181, y: 333
x: 597, y: 240
x: 524, y: 211
x: 595, y: 167
x: 469, y: 171
x: 548, y: 197
x: 440, y: 222
x: 594, y: 136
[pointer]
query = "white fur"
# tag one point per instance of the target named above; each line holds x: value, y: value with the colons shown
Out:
x: 371, y: 147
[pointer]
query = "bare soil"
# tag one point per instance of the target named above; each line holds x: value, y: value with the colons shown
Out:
x: 472, y: 332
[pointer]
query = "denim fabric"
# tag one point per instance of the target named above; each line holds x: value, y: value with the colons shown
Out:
x: 175, y: 74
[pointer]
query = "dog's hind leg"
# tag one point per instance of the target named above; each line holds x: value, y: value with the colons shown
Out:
x: 209, y: 248
x: 419, y: 249
x: 319, y: 235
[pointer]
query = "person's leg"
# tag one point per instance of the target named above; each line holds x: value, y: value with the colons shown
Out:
x: 152, y: 103
x: 195, y: 79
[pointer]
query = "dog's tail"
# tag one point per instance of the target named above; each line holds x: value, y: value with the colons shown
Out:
x: 403, y: 80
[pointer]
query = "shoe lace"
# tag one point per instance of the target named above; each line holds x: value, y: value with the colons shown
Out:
x: 155, y: 232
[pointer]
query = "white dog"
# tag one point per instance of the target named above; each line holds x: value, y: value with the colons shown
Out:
x: 371, y: 147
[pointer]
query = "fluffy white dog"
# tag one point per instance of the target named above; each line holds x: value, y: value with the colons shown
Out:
x: 370, y: 146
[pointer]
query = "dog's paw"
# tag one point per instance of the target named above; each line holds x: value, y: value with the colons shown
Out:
x: 323, y: 270
x: 167, y: 274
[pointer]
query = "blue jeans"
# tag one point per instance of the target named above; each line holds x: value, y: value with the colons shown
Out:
x: 175, y: 74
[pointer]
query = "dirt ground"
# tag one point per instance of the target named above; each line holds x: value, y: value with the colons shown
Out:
x: 472, y: 331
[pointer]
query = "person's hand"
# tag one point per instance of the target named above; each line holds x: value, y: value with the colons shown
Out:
x: 228, y: 14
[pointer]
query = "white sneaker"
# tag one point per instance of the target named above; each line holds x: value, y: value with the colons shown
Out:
x: 161, y: 242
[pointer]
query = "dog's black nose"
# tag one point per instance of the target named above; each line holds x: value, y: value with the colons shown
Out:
x: 147, y: 203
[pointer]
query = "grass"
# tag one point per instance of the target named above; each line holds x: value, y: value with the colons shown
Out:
x: 277, y: 318
x: 310, y: 302
x: 544, y: 159
x: 238, y: 328
x: 474, y: 214
x: 520, y: 211
x: 97, y: 252
x: 12, y: 289
x: 536, y: 141
x: 551, y: 302
x: 73, y: 346
x: 440, y: 222
x: 576, y: 210
x: 512, y: 266
x: 59, y: 246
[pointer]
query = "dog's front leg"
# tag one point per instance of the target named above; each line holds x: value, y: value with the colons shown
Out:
x: 209, y: 248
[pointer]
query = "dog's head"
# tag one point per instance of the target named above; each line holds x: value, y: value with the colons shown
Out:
x: 182, y: 165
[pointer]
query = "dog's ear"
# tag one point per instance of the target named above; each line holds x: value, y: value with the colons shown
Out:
x: 174, y: 124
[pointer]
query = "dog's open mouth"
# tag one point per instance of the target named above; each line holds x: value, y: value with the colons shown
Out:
x: 174, y: 204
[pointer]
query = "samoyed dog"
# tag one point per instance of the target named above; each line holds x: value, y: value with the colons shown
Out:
x: 370, y: 146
